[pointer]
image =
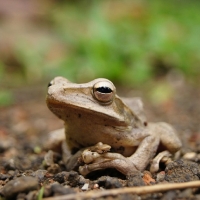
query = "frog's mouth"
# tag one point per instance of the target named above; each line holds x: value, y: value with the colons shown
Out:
x: 89, y: 109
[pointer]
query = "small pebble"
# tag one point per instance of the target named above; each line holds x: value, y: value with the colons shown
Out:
x: 58, y: 189
x: 61, y: 177
x: 147, y: 178
x: 48, y: 158
x: 19, y: 185
x: 54, y: 168
x: 160, y: 176
x: 40, y: 174
x: 109, y: 182
x: 85, y: 187
x: 135, y: 179
x: 95, y: 186
x: 73, y: 178
x: 190, y: 156
x: 4, y: 176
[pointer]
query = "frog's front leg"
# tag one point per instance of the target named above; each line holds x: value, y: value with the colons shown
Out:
x: 160, y: 133
x: 96, y: 161
x: 122, y: 165
x: 84, y: 155
x: 145, y: 152
x: 126, y: 165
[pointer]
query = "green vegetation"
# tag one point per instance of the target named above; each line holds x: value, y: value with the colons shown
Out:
x: 126, y: 41
x: 40, y: 195
x: 6, y: 98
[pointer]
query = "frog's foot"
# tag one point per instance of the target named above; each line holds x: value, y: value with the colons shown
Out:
x: 96, y: 161
x: 94, y: 157
x: 92, y: 153
x: 163, y: 157
x: 121, y: 165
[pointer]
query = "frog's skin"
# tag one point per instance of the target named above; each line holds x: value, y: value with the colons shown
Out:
x: 97, y: 121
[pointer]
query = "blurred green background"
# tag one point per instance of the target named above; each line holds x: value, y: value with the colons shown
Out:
x: 133, y: 43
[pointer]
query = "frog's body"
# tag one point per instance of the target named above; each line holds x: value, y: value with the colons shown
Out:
x: 93, y: 113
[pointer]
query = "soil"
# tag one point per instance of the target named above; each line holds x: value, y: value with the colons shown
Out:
x: 30, y: 169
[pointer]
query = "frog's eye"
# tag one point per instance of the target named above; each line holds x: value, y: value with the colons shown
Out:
x: 49, y: 84
x: 104, y: 91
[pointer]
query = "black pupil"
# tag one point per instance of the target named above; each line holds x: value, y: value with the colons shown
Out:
x: 104, y: 89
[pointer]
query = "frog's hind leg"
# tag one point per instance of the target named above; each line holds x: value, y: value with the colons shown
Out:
x: 168, y: 137
x: 126, y: 165
x: 169, y: 140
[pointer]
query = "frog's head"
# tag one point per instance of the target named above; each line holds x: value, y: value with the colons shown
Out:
x: 97, y: 97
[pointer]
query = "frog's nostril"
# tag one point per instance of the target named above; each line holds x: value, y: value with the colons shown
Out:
x: 49, y: 84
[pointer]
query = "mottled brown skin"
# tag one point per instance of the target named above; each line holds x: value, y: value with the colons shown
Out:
x: 92, y: 116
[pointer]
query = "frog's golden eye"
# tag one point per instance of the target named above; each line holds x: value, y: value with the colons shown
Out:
x: 104, y: 91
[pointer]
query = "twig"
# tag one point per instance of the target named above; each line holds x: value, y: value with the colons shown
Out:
x: 134, y: 190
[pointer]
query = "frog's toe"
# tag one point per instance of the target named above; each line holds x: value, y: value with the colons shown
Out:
x: 100, y: 148
x: 164, y: 157
x: 89, y: 156
x: 96, y: 153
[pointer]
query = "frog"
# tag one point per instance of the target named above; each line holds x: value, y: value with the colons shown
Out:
x: 103, y: 130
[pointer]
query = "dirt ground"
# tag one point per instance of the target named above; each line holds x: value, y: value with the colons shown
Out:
x: 30, y: 169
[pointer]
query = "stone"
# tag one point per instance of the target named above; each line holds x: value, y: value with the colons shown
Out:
x: 19, y: 185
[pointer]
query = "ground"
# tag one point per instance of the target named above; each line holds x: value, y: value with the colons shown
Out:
x: 29, y: 168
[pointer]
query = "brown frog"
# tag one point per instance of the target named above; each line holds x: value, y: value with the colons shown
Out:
x: 107, y: 131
